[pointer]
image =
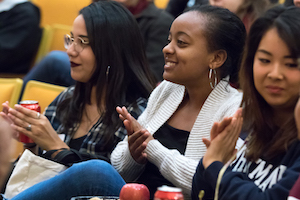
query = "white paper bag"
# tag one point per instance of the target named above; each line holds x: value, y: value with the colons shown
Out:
x: 30, y: 169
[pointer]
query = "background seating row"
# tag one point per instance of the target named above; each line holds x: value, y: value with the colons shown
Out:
x: 44, y: 93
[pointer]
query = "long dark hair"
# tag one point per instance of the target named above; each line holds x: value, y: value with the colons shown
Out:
x: 224, y: 30
x: 116, y: 41
x: 266, y: 138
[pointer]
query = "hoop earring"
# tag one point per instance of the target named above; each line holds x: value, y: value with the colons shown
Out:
x: 212, y: 85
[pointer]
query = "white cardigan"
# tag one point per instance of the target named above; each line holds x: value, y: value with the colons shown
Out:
x: 163, y: 102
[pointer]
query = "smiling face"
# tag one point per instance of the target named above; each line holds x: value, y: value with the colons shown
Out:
x: 276, y: 76
x: 187, y: 58
x: 82, y: 63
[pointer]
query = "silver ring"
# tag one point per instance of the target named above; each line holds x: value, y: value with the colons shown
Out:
x: 28, y: 128
x: 38, y: 115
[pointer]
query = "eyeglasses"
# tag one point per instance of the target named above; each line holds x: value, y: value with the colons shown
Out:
x: 79, y: 43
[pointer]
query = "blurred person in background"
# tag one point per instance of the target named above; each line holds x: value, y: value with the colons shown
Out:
x: 247, y: 10
x: 20, y: 35
x: 54, y: 68
x: 176, y: 7
x: 289, y: 3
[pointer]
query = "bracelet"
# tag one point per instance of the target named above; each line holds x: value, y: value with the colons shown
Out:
x: 48, y: 154
x: 54, y: 154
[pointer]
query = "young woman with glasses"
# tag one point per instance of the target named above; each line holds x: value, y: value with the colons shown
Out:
x: 109, y: 66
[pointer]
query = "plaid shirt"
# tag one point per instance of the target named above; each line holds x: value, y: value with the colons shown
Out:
x: 92, y: 143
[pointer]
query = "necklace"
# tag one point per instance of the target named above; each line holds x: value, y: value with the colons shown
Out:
x: 90, y: 123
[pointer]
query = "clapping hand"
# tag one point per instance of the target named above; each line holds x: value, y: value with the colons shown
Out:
x: 224, y: 135
x: 138, y: 137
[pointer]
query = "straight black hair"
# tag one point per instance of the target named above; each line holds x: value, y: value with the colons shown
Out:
x: 121, y: 71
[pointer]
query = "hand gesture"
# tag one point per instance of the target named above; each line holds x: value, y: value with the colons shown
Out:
x: 216, y: 129
x: 35, y: 126
x: 138, y: 137
x: 129, y: 122
x: 137, y: 143
x: 222, y: 146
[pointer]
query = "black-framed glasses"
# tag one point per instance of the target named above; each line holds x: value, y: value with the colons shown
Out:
x: 79, y: 43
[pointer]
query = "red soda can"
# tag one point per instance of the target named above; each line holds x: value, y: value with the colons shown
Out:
x: 168, y: 193
x: 32, y: 105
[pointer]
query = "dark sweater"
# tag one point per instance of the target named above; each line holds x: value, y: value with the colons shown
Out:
x: 20, y: 35
x: 263, y: 180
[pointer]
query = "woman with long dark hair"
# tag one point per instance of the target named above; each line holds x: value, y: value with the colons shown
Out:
x: 269, y: 163
x: 108, y: 62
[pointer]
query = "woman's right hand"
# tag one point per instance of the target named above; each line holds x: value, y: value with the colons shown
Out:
x: 137, y: 143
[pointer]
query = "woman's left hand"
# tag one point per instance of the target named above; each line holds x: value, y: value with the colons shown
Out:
x: 131, y: 124
x: 36, y: 126
x: 222, y: 147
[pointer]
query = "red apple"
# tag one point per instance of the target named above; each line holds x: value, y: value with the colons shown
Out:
x: 134, y: 191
